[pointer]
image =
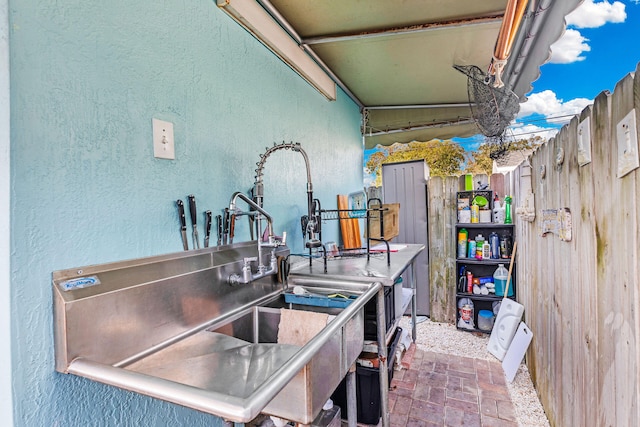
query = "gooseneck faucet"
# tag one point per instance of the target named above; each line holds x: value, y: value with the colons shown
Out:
x: 247, y: 275
x: 313, y: 224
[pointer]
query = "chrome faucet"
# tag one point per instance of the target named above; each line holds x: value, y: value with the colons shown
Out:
x: 313, y: 225
x: 247, y: 275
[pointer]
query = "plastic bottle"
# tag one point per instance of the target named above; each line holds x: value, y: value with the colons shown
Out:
x: 475, y: 214
x: 486, y: 250
x: 506, y: 245
x: 463, y: 235
x: 479, y: 243
x: 507, y: 210
x: 494, y: 243
x: 476, y: 286
x: 472, y: 249
x: 500, y: 278
x: 498, y: 212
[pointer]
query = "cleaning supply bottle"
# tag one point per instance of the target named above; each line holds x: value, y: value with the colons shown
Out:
x: 494, y: 245
x: 507, y: 210
x: 500, y: 277
x: 463, y: 235
x: 498, y: 211
x: 506, y: 246
x: 475, y: 213
x: 472, y: 249
x: 479, y: 244
x: 486, y: 250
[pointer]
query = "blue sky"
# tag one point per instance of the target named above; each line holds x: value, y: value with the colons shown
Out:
x: 599, y: 47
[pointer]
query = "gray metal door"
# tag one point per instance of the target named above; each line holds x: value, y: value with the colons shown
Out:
x: 406, y: 183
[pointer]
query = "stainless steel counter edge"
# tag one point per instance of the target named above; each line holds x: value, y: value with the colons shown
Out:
x: 358, y: 269
x: 228, y: 407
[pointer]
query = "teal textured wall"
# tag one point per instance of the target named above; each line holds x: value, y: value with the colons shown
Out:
x: 86, y: 80
x: 6, y: 402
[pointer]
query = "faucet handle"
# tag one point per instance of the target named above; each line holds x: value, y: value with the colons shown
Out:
x: 313, y: 243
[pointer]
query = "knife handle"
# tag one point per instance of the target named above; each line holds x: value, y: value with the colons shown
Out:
x: 219, y: 228
x: 207, y: 227
x: 225, y: 225
x: 225, y: 221
x: 232, y: 227
x: 192, y: 208
x: 183, y: 221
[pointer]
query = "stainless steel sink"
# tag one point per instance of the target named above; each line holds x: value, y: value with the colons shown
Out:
x: 170, y: 327
x: 303, y: 397
x: 240, y: 354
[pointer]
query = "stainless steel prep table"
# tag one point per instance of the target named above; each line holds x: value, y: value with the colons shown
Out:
x: 361, y: 269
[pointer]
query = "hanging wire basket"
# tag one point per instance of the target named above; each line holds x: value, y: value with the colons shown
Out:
x: 492, y: 108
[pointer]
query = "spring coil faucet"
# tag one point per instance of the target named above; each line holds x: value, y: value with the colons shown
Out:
x: 258, y: 190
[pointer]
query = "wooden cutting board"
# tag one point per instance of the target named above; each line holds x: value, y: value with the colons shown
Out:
x: 298, y: 327
x: 348, y: 226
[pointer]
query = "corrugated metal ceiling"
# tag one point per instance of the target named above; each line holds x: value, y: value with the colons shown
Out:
x: 395, y: 57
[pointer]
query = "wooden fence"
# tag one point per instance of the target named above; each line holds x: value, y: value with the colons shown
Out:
x: 581, y: 296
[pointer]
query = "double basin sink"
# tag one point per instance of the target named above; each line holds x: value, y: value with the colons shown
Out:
x: 170, y: 327
x: 241, y: 355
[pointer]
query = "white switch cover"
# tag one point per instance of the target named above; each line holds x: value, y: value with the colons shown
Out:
x: 627, y: 138
x: 163, y: 147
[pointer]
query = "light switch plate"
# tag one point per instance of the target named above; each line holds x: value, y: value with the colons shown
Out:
x: 584, y: 142
x: 163, y: 143
x: 627, y: 138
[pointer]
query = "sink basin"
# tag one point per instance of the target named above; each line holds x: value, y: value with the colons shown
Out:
x: 239, y: 354
x: 171, y: 327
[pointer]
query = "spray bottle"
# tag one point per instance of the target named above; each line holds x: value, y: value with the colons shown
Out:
x: 498, y: 211
x: 507, y: 210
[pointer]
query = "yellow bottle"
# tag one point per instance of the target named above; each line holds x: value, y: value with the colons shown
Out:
x: 475, y: 214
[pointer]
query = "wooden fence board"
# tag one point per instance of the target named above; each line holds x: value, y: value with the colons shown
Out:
x: 496, y: 183
x: 623, y: 201
x: 585, y: 340
x: 603, y: 162
x: 442, y: 276
x: 636, y: 271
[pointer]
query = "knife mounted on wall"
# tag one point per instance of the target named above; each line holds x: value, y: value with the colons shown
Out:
x: 207, y: 228
x: 192, y: 211
x: 183, y: 224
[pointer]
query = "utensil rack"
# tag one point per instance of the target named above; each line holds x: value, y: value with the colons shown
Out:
x: 339, y: 214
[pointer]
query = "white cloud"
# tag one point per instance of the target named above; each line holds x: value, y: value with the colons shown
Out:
x: 547, y: 104
x: 368, y: 178
x: 556, y: 113
x: 594, y: 15
x: 571, y: 45
x: 569, y: 48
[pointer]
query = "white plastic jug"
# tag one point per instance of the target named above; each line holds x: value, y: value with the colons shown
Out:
x: 500, y: 278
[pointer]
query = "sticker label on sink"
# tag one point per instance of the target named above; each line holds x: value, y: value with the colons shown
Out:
x: 80, y: 282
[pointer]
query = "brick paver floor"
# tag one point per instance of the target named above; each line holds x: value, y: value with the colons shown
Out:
x: 438, y: 389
